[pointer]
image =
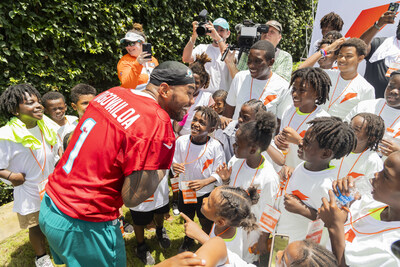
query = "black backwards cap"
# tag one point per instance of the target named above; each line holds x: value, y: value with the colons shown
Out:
x: 172, y: 73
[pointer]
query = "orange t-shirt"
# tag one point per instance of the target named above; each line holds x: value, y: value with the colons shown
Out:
x: 132, y: 74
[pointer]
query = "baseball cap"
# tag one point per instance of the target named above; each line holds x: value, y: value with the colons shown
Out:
x: 132, y: 37
x: 275, y: 24
x: 172, y: 73
x: 222, y: 23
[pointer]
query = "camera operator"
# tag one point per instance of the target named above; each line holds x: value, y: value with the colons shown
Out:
x: 217, y: 69
x: 283, y: 60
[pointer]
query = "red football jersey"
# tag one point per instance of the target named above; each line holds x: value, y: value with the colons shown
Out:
x: 120, y: 132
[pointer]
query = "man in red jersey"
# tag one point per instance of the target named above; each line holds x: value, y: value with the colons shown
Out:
x: 116, y: 155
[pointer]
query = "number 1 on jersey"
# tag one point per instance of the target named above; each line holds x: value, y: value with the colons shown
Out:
x: 86, y: 127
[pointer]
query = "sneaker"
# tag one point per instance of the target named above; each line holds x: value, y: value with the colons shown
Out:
x: 175, y: 209
x: 163, y: 239
x: 187, y: 243
x: 43, y: 261
x: 144, y: 255
x: 128, y: 228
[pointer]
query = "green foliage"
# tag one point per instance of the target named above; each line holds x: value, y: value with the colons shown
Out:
x: 6, y: 193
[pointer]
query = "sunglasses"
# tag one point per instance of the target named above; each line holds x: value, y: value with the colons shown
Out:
x: 130, y: 43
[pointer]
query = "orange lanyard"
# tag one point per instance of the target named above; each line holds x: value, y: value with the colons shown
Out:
x: 337, y: 82
x: 303, y: 120
x: 44, y: 149
x: 252, y: 180
x: 187, y: 163
x: 340, y: 167
x: 265, y: 87
x: 394, y: 120
x: 352, y: 226
x: 213, y: 228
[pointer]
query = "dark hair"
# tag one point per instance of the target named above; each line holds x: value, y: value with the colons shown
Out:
x: 358, y: 44
x: 260, y: 131
x: 256, y: 105
x: 375, y: 129
x: 314, y: 255
x: 236, y: 206
x: 333, y: 35
x: 15, y: 95
x: 331, y: 133
x: 317, y: 78
x: 266, y: 46
x: 332, y: 19
x: 52, y: 95
x: 67, y: 139
x: 211, y: 116
x: 81, y: 89
x: 198, y: 68
x: 396, y: 72
x: 220, y: 94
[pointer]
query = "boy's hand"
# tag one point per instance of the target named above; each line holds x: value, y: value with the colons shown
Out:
x: 184, y: 259
x: 386, y: 18
x: 224, y: 173
x: 178, y: 167
x: 293, y: 204
x: 197, y: 184
x: 280, y: 142
x: 330, y: 214
x: 290, y: 135
x: 193, y: 230
x: 17, y: 178
x: 224, y: 121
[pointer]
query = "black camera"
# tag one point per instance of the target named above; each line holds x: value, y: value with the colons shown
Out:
x: 201, y: 28
x: 250, y: 33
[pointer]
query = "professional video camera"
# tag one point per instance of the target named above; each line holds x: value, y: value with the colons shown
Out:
x: 201, y: 28
x: 249, y: 33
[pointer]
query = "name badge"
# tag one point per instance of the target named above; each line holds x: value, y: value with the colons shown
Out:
x: 189, y: 195
x: 42, y: 188
x: 269, y: 219
x: 314, y: 231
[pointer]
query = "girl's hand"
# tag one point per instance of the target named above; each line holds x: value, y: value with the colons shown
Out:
x: 224, y: 173
x: 290, y: 135
x: 184, y: 259
x: 178, y: 167
x: 344, y: 185
x: 335, y: 45
x: 224, y: 121
x: 196, y: 185
x: 294, y: 204
x: 280, y: 142
x: 387, y: 147
x: 330, y: 214
x: 141, y: 59
x: 193, y: 230
x: 17, y: 178
x: 285, y: 173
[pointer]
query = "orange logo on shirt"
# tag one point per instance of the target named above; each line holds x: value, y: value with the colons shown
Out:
x: 269, y: 98
x: 300, y: 195
x: 303, y: 133
x: 348, y: 96
x: 397, y: 134
x: 355, y: 174
x: 350, y: 235
x: 207, y: 164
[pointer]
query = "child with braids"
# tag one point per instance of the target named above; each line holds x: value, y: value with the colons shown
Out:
x: 327, y: 138
x: 201, y: 97
x: 196, y: 159
x: 363, y: 161
x: 310, y: 89
x: 28, y: 147
x: 230, y: 210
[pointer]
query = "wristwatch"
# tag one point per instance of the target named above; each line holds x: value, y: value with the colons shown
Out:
x: 376, y: 25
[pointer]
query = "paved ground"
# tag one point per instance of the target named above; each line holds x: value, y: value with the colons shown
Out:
x: 8, y: 221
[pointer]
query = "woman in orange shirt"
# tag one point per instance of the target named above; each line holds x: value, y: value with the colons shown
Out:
x: 134, y: 68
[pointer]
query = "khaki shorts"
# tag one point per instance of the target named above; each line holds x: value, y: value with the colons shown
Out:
x: 28, y: 220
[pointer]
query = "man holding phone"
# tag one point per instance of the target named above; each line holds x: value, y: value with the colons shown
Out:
x: 383, y: 53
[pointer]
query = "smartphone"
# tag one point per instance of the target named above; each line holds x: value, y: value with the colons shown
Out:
x: 279, y: 242
x: 396, y: 248
x: 146, y: 47
x: 393, y: 7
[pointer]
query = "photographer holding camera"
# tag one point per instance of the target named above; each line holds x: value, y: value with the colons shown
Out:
x: 217, y: 69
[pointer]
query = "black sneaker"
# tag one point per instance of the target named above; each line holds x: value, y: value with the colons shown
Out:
x: 144, y: 255
x: 187, y: 243
x: 163, y: 239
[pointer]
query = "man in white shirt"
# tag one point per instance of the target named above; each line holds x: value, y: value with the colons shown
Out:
x: 219, y: 73
x: 259, y: 82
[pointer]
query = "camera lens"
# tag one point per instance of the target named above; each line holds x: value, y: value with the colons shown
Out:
x: 201, y: 30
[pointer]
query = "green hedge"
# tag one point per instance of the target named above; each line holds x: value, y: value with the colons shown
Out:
x: 57, y: 44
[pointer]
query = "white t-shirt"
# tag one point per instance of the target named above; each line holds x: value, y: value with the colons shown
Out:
x: 357, y: 165
x: 159, y: 199
x: 378, y: 107
x: 297, y: 120
x: 202, y: 99
x: 217, y: 69
x: 199, y: 168
x: 236, y: 261
x: 310, y: 187
x: 69, y: 126
x: 346, y: 94
x: 19, y: 159
x: 370, y: 250
x: 244, y: 88
x: 235, y: 244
